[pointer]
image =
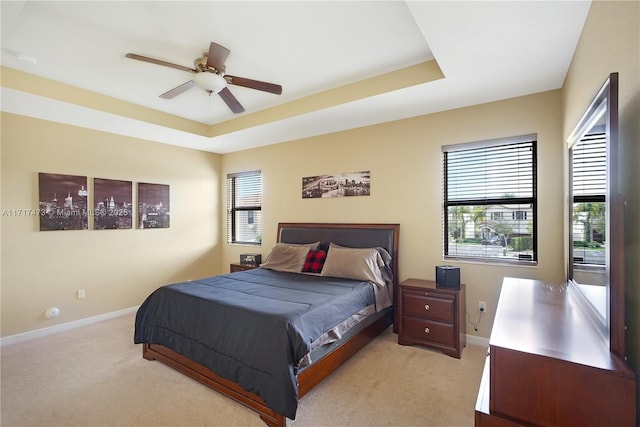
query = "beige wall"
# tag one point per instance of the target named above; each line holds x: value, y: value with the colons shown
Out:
x: 610, y: 42
x: 406, y: 186
x: 117, y: 268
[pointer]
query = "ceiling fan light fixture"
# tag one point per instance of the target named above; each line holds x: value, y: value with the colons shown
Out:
x: 210, y: 82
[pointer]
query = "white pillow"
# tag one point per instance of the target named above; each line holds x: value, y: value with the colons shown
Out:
x: 354, y: 263
x: 288, y: 257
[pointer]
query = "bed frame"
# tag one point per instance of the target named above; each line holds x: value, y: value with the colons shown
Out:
x: 353, y: 235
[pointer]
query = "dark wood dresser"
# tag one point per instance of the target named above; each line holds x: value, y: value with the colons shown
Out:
x: 432, y: 316
x: 548, y: 365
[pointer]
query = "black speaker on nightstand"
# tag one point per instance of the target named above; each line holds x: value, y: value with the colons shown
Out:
x: 448, y: 276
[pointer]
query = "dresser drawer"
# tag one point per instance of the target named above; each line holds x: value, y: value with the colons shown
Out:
x: 428, y: 330
x: 434, y: 306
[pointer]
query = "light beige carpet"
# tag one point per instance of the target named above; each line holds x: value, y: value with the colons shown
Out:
x: 95, y: 376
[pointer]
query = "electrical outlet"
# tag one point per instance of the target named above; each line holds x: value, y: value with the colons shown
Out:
x: 482, y: 306
x: 81, y: 294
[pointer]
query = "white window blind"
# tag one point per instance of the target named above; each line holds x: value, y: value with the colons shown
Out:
x: 490, y: 200
x: 244, y: 208
x: 590, y: 166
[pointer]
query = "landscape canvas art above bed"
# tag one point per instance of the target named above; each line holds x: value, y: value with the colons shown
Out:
x: 337, y: 185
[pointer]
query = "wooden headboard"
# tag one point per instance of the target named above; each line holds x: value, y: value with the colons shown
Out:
x: 351, y: 235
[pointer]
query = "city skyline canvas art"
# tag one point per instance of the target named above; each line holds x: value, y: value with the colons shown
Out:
x: 337, y: 185
x: 62, y: 202
x: 153, y: 206
x: 113, y: 204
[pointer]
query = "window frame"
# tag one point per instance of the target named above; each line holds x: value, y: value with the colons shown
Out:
x: 525, y: 259
x: 233, y: 208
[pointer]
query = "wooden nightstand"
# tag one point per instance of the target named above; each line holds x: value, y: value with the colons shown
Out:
x: 432, y: 316
x: 236, y: 266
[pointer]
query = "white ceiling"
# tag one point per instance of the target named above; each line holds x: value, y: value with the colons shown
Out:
x: 487, y: 51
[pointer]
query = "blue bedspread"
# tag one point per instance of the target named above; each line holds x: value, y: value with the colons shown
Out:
x: 252, y: 327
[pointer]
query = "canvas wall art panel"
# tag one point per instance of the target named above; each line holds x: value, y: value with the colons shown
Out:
x: 337, y: 185
x: 153, y: 206
x: 113, y: 204
x: 63, y: 202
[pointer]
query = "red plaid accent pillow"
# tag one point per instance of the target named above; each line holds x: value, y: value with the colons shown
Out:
x: 314, y: 261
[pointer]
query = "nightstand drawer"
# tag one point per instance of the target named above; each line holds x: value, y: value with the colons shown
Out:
x: 233, y: 267
x: 427, y: 330
x: 435, y: 306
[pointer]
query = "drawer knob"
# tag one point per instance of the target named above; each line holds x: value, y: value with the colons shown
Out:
x: 426, y: 294
x: 426, y: 307
x: 426, y: 330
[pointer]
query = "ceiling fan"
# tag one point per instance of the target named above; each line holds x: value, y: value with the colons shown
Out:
x: 210, y: 76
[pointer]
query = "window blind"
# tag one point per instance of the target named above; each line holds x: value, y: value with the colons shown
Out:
x: 589, y: 165
x: 244, y: 207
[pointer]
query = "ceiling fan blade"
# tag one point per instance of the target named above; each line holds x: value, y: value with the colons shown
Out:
x: 254, y: 84
x: 217, y: 56
x: 177, y: 90
x: 159, y: 62
x: 231, y: 101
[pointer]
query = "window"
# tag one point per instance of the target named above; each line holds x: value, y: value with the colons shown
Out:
x: 589, y: 187
x: 519, y: 215
x: 497, y: 215
x: 490, y: 200
x: 244, y: 208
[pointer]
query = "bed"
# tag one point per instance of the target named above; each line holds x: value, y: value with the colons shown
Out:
x: 265, y: 337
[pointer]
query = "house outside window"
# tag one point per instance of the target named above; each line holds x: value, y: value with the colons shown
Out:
x: 244, y: 208
x: 490, y: 200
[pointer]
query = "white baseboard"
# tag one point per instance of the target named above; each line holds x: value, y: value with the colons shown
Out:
x: 476, y: 340
x: 26, y: 336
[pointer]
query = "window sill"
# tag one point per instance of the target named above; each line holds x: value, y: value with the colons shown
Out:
x: 511, y: 263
